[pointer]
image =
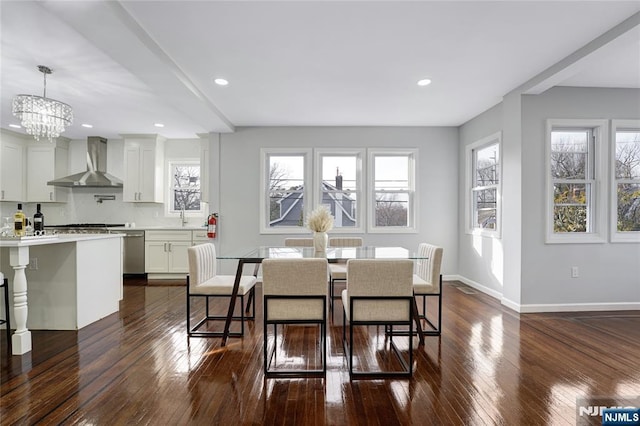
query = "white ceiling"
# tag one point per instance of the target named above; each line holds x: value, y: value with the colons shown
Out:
x: 126, y: 65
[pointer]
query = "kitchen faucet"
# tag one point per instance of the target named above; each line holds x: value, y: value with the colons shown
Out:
x: 183, y: 217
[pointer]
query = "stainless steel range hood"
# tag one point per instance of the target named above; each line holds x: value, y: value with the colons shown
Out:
x: 96, y: 175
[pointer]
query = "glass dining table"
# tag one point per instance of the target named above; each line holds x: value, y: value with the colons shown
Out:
x: 332, y: 254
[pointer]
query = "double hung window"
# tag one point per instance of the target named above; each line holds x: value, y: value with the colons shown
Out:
x: 484, y: 186
x: 339, y: 187
x: 392, y: 185
x: 285, y: 174
x: 575, y: 153
x: 626, y: 181
x: 293, y: 185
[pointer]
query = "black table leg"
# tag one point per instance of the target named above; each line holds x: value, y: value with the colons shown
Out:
x: 416, y: 317
x: 232, y: 301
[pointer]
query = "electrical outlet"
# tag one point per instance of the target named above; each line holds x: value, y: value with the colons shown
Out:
x: 574, y: 272
x: 33, y: 264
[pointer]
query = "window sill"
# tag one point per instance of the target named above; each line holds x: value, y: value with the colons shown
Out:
x: 575, y: 239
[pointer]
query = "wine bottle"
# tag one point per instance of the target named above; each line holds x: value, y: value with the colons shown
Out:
x: 18, y: 222
x: 38, y: 221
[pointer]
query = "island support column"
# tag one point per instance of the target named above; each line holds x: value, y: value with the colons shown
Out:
x: 21, y: 339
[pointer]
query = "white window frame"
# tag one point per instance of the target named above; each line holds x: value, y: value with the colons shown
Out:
x: 597, y: 206
x: 319, y: 155
x: 169, y: 212
x: 617, y: 236
x: 412, y: 213
x: 265, y: 154
x: 470, y: 188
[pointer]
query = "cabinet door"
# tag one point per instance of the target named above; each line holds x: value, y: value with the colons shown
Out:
x: 156, y: 256
x: 178, y: 258
x: 45, y: 163
x: 131, y: 185
x: 11, y: 176
x: 147, y: 180
x: 40, y: 169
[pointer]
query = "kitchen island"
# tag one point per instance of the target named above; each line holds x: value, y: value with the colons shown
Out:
x: 71, y: 281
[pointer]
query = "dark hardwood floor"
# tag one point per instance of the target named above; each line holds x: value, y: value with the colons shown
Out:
x: 491, y: 366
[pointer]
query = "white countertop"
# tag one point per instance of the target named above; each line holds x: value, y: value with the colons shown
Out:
x: 159, y: 228
x: 53, y: 239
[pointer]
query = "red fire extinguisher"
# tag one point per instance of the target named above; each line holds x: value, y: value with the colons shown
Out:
x: 212, y: 221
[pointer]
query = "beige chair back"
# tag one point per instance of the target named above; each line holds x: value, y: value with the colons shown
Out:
x: 378, y: 277
x: 202, y: 263
x: 429, y: 269
x: 345, y: 242
x: 307, y: 277
x: 298, y: 242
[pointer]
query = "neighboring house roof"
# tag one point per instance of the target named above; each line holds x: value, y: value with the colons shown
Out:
x: 297, y: 196
x: 339, y: 203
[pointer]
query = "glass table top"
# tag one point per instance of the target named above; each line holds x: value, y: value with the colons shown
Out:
x: 332, y: 253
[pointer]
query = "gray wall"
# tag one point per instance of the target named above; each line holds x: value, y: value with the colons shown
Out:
x: 437, y: 180
x: 609, y: 272
x: 519, y: 268
x: 480, y: 259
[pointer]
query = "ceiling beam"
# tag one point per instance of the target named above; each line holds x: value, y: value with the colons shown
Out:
x: 628, y: 31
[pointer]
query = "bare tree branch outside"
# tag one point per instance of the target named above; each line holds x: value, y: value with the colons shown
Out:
x: 186, y: 187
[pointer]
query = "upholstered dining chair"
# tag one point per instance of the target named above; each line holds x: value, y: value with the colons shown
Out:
x: 379, y: 292
x: 338, y: 270
x: 427, y: 282
x: 298, y: 242
x: 294, y: 293
x: 203, y: 281
x: 4, y: 283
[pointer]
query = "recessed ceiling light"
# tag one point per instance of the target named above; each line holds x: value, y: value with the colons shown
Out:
x: 220, y: 81
x: 159, y: 125
x: 88, y: 126
x: 424, y: 82
x: 15, y: 126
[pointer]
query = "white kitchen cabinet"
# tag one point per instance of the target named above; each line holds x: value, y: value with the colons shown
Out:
x: 45, y: 163
x: 12, y: 173
x: 143, y: 169
x: 166, y: 252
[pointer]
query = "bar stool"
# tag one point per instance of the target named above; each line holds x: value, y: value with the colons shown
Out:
x: 4, y: 283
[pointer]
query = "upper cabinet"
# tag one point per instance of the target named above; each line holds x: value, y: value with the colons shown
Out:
x: 45, y: 163
x: 143, y: 169
x: 12, y: 168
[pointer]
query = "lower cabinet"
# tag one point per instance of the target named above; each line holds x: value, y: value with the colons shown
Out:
x: 166, y: 252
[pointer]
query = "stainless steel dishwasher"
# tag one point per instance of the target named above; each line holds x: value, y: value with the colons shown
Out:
x: 133, y: 251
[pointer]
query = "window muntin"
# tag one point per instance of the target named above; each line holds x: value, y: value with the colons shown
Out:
x: 185, y: 187
x: 627, y: 180
x: 485, y: 185
x: 573, y: 177
x: 393, y: 191
x: 339, y: 188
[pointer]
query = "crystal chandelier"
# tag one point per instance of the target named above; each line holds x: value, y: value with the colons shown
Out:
x: 41, y: 116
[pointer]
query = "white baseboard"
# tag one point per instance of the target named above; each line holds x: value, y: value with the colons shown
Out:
x: 486, y: 290
x: 578, y: 307
x: 546, y: 307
